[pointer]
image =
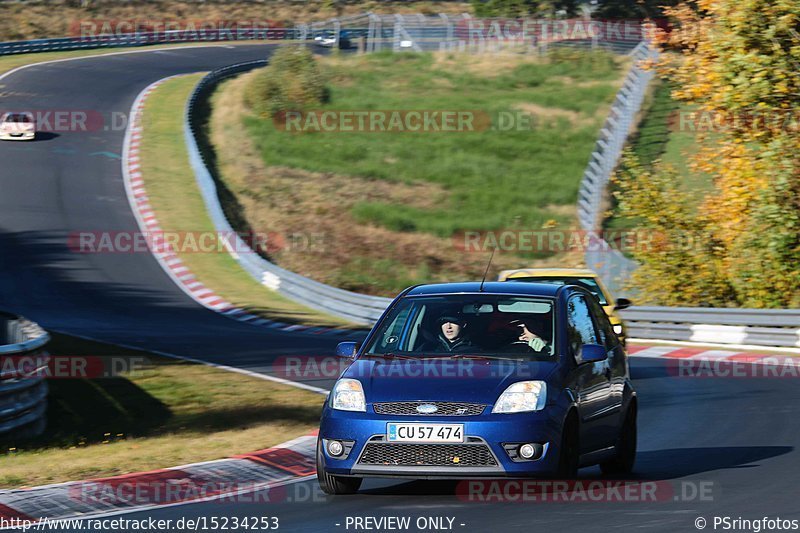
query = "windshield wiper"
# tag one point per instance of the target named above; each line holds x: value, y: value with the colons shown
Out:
x: 391, y: 355
x: 480, y: 356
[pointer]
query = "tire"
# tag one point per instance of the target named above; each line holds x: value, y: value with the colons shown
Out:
x: 334, y: 485
x: 569, y: 454
x: 625, y: 456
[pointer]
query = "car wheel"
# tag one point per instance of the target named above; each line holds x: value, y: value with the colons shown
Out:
x: 334, y: 485
x: 625, y: 457
x: 569, y: 455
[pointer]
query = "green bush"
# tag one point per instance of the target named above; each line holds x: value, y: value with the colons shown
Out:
x: 291, y: 82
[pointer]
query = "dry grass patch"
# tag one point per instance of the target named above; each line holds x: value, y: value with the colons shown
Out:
x: 543, y: 112
x: 487, y: 65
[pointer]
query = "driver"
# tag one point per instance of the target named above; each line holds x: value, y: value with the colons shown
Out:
x: 533, y: 341
x: 451, y: 337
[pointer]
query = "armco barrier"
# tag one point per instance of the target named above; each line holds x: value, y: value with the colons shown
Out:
x: 359, y: 308
x: 393, y: 32
x: 763, y: 327
x: 146, y: 38
x: 23, y: 396
x: 608, y: 262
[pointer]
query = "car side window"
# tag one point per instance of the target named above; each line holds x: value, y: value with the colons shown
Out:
x: 580, y: 328
x: 395, y: 330
x: 604, y: 328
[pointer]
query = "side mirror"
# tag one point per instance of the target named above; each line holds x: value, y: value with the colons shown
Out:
x: 593, y: 353
x: 622, y: 303
x: 347, y: 349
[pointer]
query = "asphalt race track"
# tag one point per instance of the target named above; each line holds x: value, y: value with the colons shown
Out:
x: 72, y: 181
x: 715, y: 447
x: 732, y: 440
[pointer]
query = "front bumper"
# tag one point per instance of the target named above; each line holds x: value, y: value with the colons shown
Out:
x: 490, y: 431
x: 17, y: 136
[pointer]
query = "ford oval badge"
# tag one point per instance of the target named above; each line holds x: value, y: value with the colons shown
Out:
x: 427, y: 409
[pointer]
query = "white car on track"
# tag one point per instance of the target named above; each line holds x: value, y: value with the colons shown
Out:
x: 17, y: 126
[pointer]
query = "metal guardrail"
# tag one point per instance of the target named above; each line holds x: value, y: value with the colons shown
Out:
x: 358, y: 308
x: 762, y: 327
x: 393, y: 32
x: 147, y: 38
x: 604, y: 259
x: 23, y: 389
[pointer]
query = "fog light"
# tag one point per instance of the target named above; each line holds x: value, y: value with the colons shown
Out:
x: 526, y: 451
x: 335, y: 448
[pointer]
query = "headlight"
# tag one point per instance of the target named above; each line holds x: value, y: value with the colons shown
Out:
x: 348, y: 395
x: 522, y: 396
x: 618, y: 329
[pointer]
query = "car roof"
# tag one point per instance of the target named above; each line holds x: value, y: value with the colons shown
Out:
x: 547, y: 290
x: 548, y: 272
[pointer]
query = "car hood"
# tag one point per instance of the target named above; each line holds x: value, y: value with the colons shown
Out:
x: 442, y: 379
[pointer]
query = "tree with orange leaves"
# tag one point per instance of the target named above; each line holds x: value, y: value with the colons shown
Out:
x: 739, y: 62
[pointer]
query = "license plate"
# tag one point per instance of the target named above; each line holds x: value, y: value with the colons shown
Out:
x: 397, y: 432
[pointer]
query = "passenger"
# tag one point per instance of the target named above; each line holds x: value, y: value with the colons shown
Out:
x: 451, y: 337
x: 533, y: 341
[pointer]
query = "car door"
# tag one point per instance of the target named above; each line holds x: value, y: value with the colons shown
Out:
x: 616, y: 368
x: 591, y: 381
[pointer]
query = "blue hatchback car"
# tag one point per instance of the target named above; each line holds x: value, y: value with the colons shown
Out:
x: 463, y: 380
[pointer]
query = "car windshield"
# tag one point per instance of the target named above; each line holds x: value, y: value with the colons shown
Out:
x: 590, y: 284
x: 19, y: 118
x: 465, y: 325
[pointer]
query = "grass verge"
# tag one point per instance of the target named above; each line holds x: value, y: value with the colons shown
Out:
x: 161, y: 413
x: 392, y: 205
x: 168, y: 176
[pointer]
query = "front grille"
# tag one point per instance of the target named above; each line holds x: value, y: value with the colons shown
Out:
x: 404, y: 454
x: 442, y: 408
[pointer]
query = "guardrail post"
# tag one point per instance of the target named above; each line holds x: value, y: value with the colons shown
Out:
x: 337, y: 28
x: 374, y: 33
x: 448, y: 39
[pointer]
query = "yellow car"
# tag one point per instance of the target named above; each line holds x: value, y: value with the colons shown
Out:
x: 588, y: 279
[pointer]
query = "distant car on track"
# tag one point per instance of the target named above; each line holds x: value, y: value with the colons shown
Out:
x: 581, y: 277
x: 463, y: 380
x: 328, y: 40
x: 17, y: 126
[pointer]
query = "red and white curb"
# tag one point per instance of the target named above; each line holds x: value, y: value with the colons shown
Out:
x: 236, y: 479
x: 706, y: 355
x: 162, y: 250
